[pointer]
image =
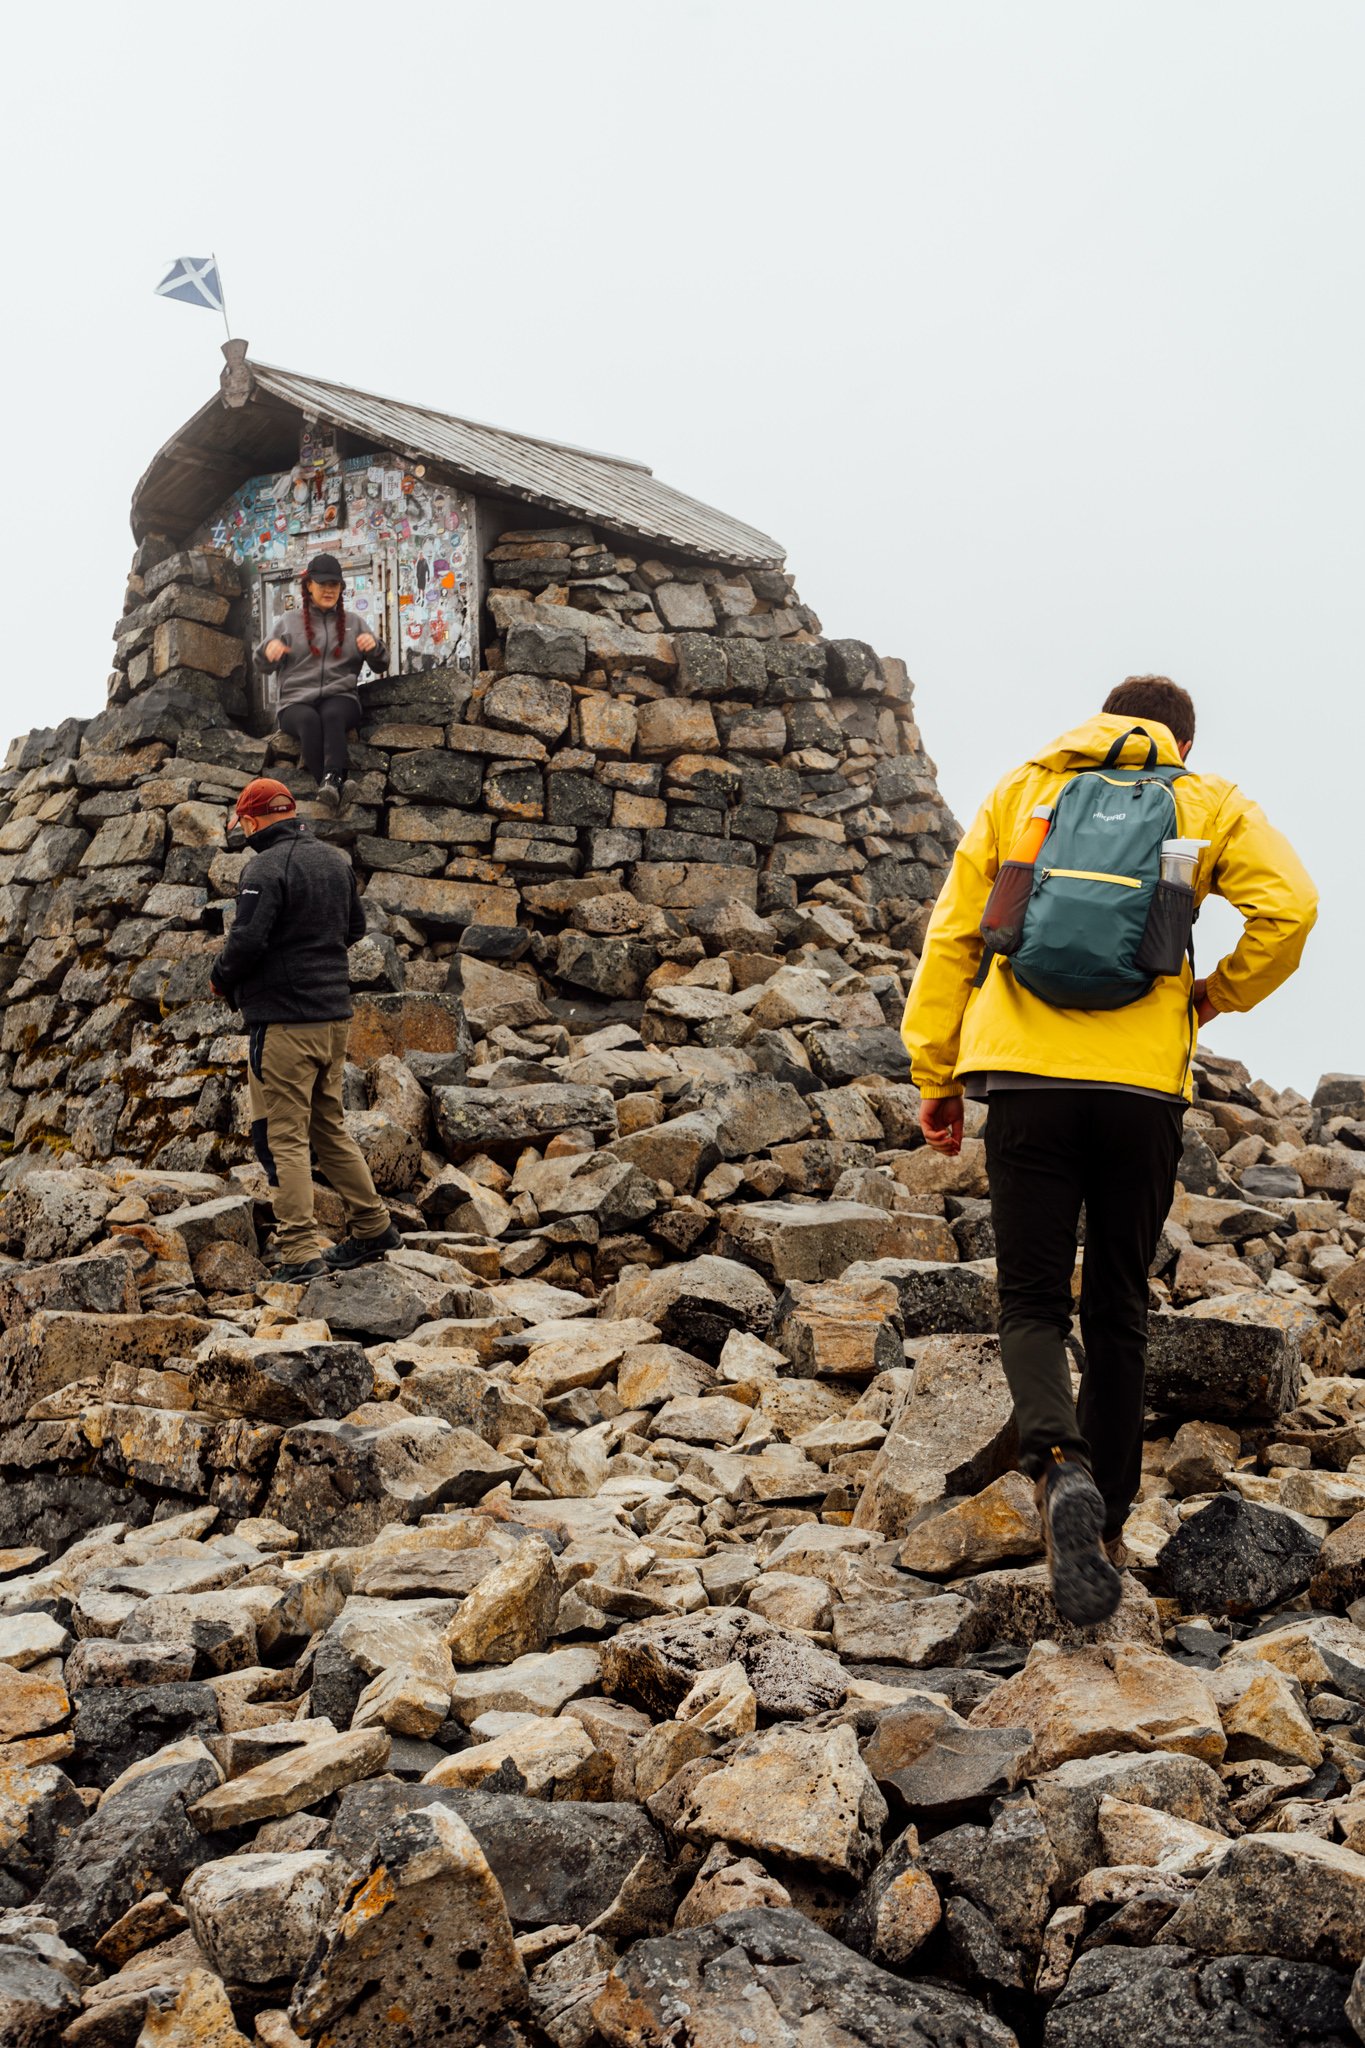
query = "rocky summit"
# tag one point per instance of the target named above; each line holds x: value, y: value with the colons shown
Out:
x: 615, y: 1620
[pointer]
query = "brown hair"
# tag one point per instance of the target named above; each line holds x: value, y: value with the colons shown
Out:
x: 340, y: 615
x: 1154, y: 697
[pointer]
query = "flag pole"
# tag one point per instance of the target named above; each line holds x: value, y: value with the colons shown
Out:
x: 222, y: 296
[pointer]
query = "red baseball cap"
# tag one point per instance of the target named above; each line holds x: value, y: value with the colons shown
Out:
x: 264, y: 798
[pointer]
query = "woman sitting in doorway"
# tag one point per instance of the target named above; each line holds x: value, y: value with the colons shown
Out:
x: 321, y: 651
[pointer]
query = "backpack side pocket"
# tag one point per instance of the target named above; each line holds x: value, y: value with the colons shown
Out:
x: 1002, y: 921
x: 1169, y: 929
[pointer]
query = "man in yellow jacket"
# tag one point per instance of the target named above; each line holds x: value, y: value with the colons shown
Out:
x: 1086, y: 1108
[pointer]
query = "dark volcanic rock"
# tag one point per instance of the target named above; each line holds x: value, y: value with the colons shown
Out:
x: 781, y: 1979
x: 1008, y: 1870
x: 290, y: 1384
x: 557, y: 1862
x: 840, y: 1056
x: 54, y: 1509
x: 118, y: 1725
x: 938, y: 1299
x: 139, y: 1840
x: 1157, y: 1997
x: 1235, y: 1557
x: 1220, y: 1371
x: 338, y: 1483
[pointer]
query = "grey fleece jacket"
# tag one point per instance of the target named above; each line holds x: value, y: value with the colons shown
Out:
x: 305, y: 677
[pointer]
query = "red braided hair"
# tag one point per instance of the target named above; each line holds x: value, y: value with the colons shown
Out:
x: 308, y: 622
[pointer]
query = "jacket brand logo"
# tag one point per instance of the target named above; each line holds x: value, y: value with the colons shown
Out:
x: 1107, y: 817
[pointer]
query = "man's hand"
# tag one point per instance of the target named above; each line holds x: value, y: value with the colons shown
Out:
x: 940, y: 1119
x: 1204, y: 1010
x: 275, y: 650
x: 366, y: 642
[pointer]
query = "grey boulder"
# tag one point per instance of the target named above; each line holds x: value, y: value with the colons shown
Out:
x: 770, y: 1974
x: 1221, y: 1371
x: 1154, y: 1997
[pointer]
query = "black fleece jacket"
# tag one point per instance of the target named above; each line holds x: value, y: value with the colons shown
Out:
x: 298, y: 909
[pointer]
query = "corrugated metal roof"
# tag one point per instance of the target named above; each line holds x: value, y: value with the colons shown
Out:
x: 607, y: 490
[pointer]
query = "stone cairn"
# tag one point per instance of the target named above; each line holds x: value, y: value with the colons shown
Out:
x: 615, y: 1620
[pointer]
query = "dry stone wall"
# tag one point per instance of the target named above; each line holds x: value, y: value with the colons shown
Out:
x: 656, y: 755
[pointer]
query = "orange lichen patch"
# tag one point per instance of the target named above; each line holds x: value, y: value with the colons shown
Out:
x: 375, y: 1896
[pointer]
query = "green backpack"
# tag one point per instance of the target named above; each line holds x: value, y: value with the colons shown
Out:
x: 1091, y: 923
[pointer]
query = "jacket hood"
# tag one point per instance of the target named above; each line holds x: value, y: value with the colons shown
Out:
x: 1086, y: 745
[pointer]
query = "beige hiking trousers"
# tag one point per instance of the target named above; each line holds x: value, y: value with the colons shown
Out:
x: 294, y: 1076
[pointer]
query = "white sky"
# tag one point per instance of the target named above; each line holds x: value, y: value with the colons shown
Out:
x: 1033, y: 331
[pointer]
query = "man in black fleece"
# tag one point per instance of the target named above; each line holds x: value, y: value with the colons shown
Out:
x: 284, y: 967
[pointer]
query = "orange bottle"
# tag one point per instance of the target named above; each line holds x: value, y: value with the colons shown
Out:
x: 1029, y: 844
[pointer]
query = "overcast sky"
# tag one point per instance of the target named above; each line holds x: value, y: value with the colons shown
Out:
x: 1032, y: 331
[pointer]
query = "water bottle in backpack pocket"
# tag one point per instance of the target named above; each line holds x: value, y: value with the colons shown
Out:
x: 1002, y: 922
x: 1100, y: 920
x: 1167, y: 941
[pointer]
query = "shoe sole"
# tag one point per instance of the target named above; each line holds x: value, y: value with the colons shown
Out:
x: 1085, y: 1586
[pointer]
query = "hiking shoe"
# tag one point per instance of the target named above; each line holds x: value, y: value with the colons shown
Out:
x: 329, y: 793
x: 1085, y: 1585
x: 300, y: 1269
x: 358, y: 1251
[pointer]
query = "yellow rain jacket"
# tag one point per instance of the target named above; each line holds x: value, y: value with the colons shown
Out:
x: 952, y: 1028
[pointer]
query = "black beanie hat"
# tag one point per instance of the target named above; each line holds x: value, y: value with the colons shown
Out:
x: 324, y: 569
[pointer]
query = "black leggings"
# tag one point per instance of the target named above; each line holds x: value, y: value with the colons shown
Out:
x: 1047, y: 1151
x: 320, y: 729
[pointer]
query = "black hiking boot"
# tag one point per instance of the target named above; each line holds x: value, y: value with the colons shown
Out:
x: 358, y: 1251
x: 1085, y: 1585
x: 294, y: 1270
x: 329, y: 793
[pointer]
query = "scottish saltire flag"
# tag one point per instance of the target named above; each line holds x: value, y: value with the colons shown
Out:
x: 194, y: 280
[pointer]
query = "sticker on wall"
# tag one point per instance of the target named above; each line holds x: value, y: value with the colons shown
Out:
x: 419, y: 535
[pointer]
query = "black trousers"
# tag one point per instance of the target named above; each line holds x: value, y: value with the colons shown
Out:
x: 1048, y: 1150
x: 320, y: 729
